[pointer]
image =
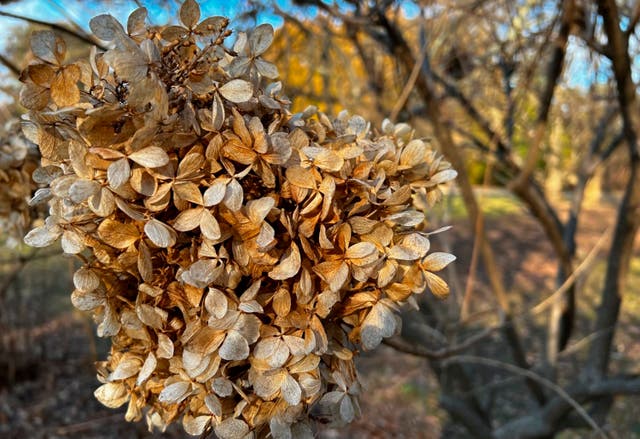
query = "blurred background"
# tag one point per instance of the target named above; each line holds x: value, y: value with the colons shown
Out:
x: 534, y: 102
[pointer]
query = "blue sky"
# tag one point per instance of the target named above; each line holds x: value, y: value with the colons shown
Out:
x: 579, y: 72
x: 80, y: 12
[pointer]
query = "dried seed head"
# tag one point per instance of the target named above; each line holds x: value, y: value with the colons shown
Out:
x: 18, y: 159
x: 238, y: 255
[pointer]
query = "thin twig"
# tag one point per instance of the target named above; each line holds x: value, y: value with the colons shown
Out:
x: 570, y: 280
x: 402, y: 345
x: 32, y: 256
x: 76, y: 34
x: 85, y: 425
x: 408, y: 87
x: 535, y: 377
x: 13, y: 68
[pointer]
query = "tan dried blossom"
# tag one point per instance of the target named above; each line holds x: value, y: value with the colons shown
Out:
x: 18, y: 159
x: 239, y: 256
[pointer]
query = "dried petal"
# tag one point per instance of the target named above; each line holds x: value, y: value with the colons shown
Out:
x: 195, y: 426
x: 215, y: 193
x: 289, y: 264
x: 118, y: 173
x: 237, y: 90
x: 150, y: 157
x: 231, y: 428
x: 72, y: 243
x: 147, y: 369
x: 117, y: 234
x: 127, y: 367
x: 188, y: 219
x: 235, y: 347
x: 437, y: 261
x: 41, y: 236
x: 64, y: 88
x: 379, y: 323
x: 112, y: 395
x: 159, y: 233
x: 174, y: 393
x: 189, y: 13
x: 261, y: 38
x: 47, y: 46
x: 106, y: 27
x: 291, y: 391
x: 86, y: 280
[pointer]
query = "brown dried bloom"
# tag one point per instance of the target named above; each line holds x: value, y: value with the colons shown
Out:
x: 18, y: 159
x: 237, y: 255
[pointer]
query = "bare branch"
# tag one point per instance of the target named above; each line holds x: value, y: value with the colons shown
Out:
x: 55, y: 26
x: 523, y: 179
x: 633, y: 22
x: 628, y: 221
x: 466, y: 416
x: 586, y: 263
x: 409, y: 85
x: 544, y: 421
x: 530, y: 194
x: 402, y: 345
x: 13, y: 68
x: 399, y: 47
x: 563, y: 395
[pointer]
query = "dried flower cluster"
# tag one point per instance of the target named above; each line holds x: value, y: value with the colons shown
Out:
x: 18, y: 159
x: 237, y: 255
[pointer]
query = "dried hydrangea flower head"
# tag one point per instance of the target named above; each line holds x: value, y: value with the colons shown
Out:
x: 18, y: 159
x: 239, y: 256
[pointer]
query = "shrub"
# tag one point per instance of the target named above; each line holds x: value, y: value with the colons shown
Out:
x: 239, y: 256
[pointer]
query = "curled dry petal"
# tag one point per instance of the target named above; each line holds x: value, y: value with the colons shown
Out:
x: 112, y: 395
x: 289, y: 264
x: 437, y: 261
